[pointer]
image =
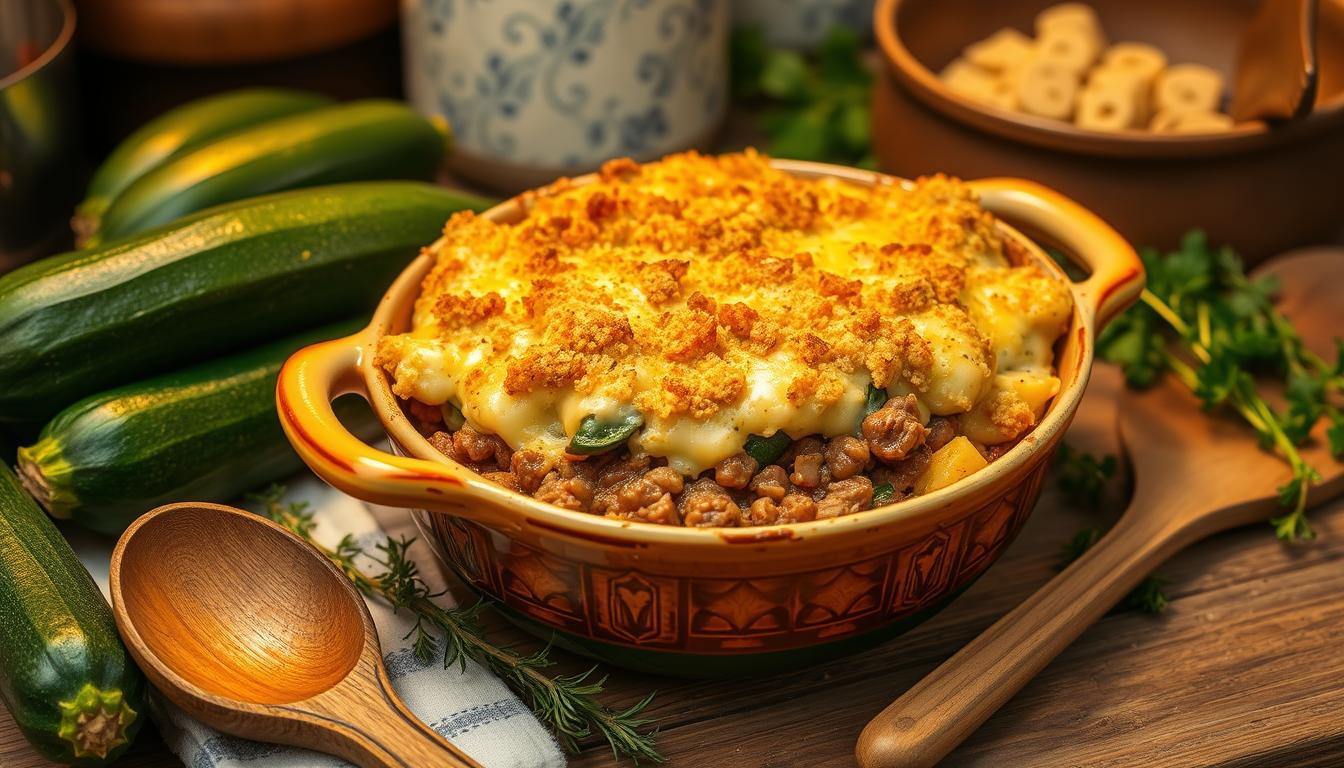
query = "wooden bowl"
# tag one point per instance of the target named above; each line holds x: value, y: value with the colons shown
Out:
x: 227, y: 31
x: 1260, y: 188
x: 706, y: 602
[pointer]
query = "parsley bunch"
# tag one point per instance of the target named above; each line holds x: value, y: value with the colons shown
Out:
x: 1204, y: 321
x: 817, y: 107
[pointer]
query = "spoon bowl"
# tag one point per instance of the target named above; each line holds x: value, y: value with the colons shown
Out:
x: 255, y: 633
x: 318, y: 628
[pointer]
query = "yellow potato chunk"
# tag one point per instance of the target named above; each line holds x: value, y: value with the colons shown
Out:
x: 1013, y: 405
x: 1035, y: 388
x: 949, y: 464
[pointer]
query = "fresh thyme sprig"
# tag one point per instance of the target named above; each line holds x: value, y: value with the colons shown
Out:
x: 1205, y: 322
x: 567, y: 703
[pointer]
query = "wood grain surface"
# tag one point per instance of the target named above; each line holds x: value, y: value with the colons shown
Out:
x: 1245, y: 669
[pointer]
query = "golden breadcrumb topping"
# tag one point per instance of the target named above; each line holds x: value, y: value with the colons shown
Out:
x: 720, y: 291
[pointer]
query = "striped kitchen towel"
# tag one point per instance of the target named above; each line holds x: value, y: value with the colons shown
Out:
x: 472, y: 709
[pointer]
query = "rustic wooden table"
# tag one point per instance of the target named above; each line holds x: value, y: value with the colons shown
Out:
x: 1245, y: 669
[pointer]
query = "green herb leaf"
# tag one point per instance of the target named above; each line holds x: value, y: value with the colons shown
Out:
x: 799, y: 135
x: 819, y: 104
x: 1150, y: 596
x: 882, y: 493
x: 839, y: 58
x: 1190, y: 270
x: 1204, y: 321
x: 786, y: 77
x: 1335, y: 434
x: 594, y: 436
x: 452, y: 417
x: 1083, y: 477
x: 1306, y: 403
x: 767, y: 450
x: 1217, y: 380
x: 1132, y: 342
x: 852, y: 127
x: 1075, y: 547
x: 1292, y: 526
x: 873, y: 399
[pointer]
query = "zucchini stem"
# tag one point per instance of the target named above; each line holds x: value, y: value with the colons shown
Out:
x: 39, y: 469
x: 95, y: 722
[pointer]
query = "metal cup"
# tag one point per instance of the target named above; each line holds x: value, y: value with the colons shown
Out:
x: 39, y: 137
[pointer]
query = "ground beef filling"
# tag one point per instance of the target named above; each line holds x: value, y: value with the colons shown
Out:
x: 814, y: 479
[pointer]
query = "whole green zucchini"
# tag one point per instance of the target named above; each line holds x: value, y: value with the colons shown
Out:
x: 225, y: 279
x: 64, y: 674
x: 208, y: 433
x: 345, y: 142
x: 179, y: 129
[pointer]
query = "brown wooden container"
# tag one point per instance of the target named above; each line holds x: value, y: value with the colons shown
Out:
x: 1259, y: 188
x: 227, y: 31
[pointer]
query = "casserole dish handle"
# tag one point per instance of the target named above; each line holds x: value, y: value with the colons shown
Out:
x: 1116, y: 274
x: 315, y: 376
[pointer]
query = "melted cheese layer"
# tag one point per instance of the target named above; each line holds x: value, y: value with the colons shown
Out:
x: 720, y: 298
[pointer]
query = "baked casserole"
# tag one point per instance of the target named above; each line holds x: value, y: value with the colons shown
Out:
x: 710, y: 341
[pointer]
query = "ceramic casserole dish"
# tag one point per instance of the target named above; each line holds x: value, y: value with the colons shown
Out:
x: 711, y: 602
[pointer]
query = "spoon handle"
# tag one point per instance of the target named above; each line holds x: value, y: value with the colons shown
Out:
x: 930, y: 719
x: 372, y: 728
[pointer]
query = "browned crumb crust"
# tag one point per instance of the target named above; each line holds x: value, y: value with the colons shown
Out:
x: 694, y: 266
x: 661, y: 285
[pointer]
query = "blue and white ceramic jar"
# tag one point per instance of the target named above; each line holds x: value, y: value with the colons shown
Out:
x: 536, y: 89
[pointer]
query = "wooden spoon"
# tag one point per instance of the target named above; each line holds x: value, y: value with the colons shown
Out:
x: 1193, y: 476
x: 253, y: 632
x: 1276, y: 73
